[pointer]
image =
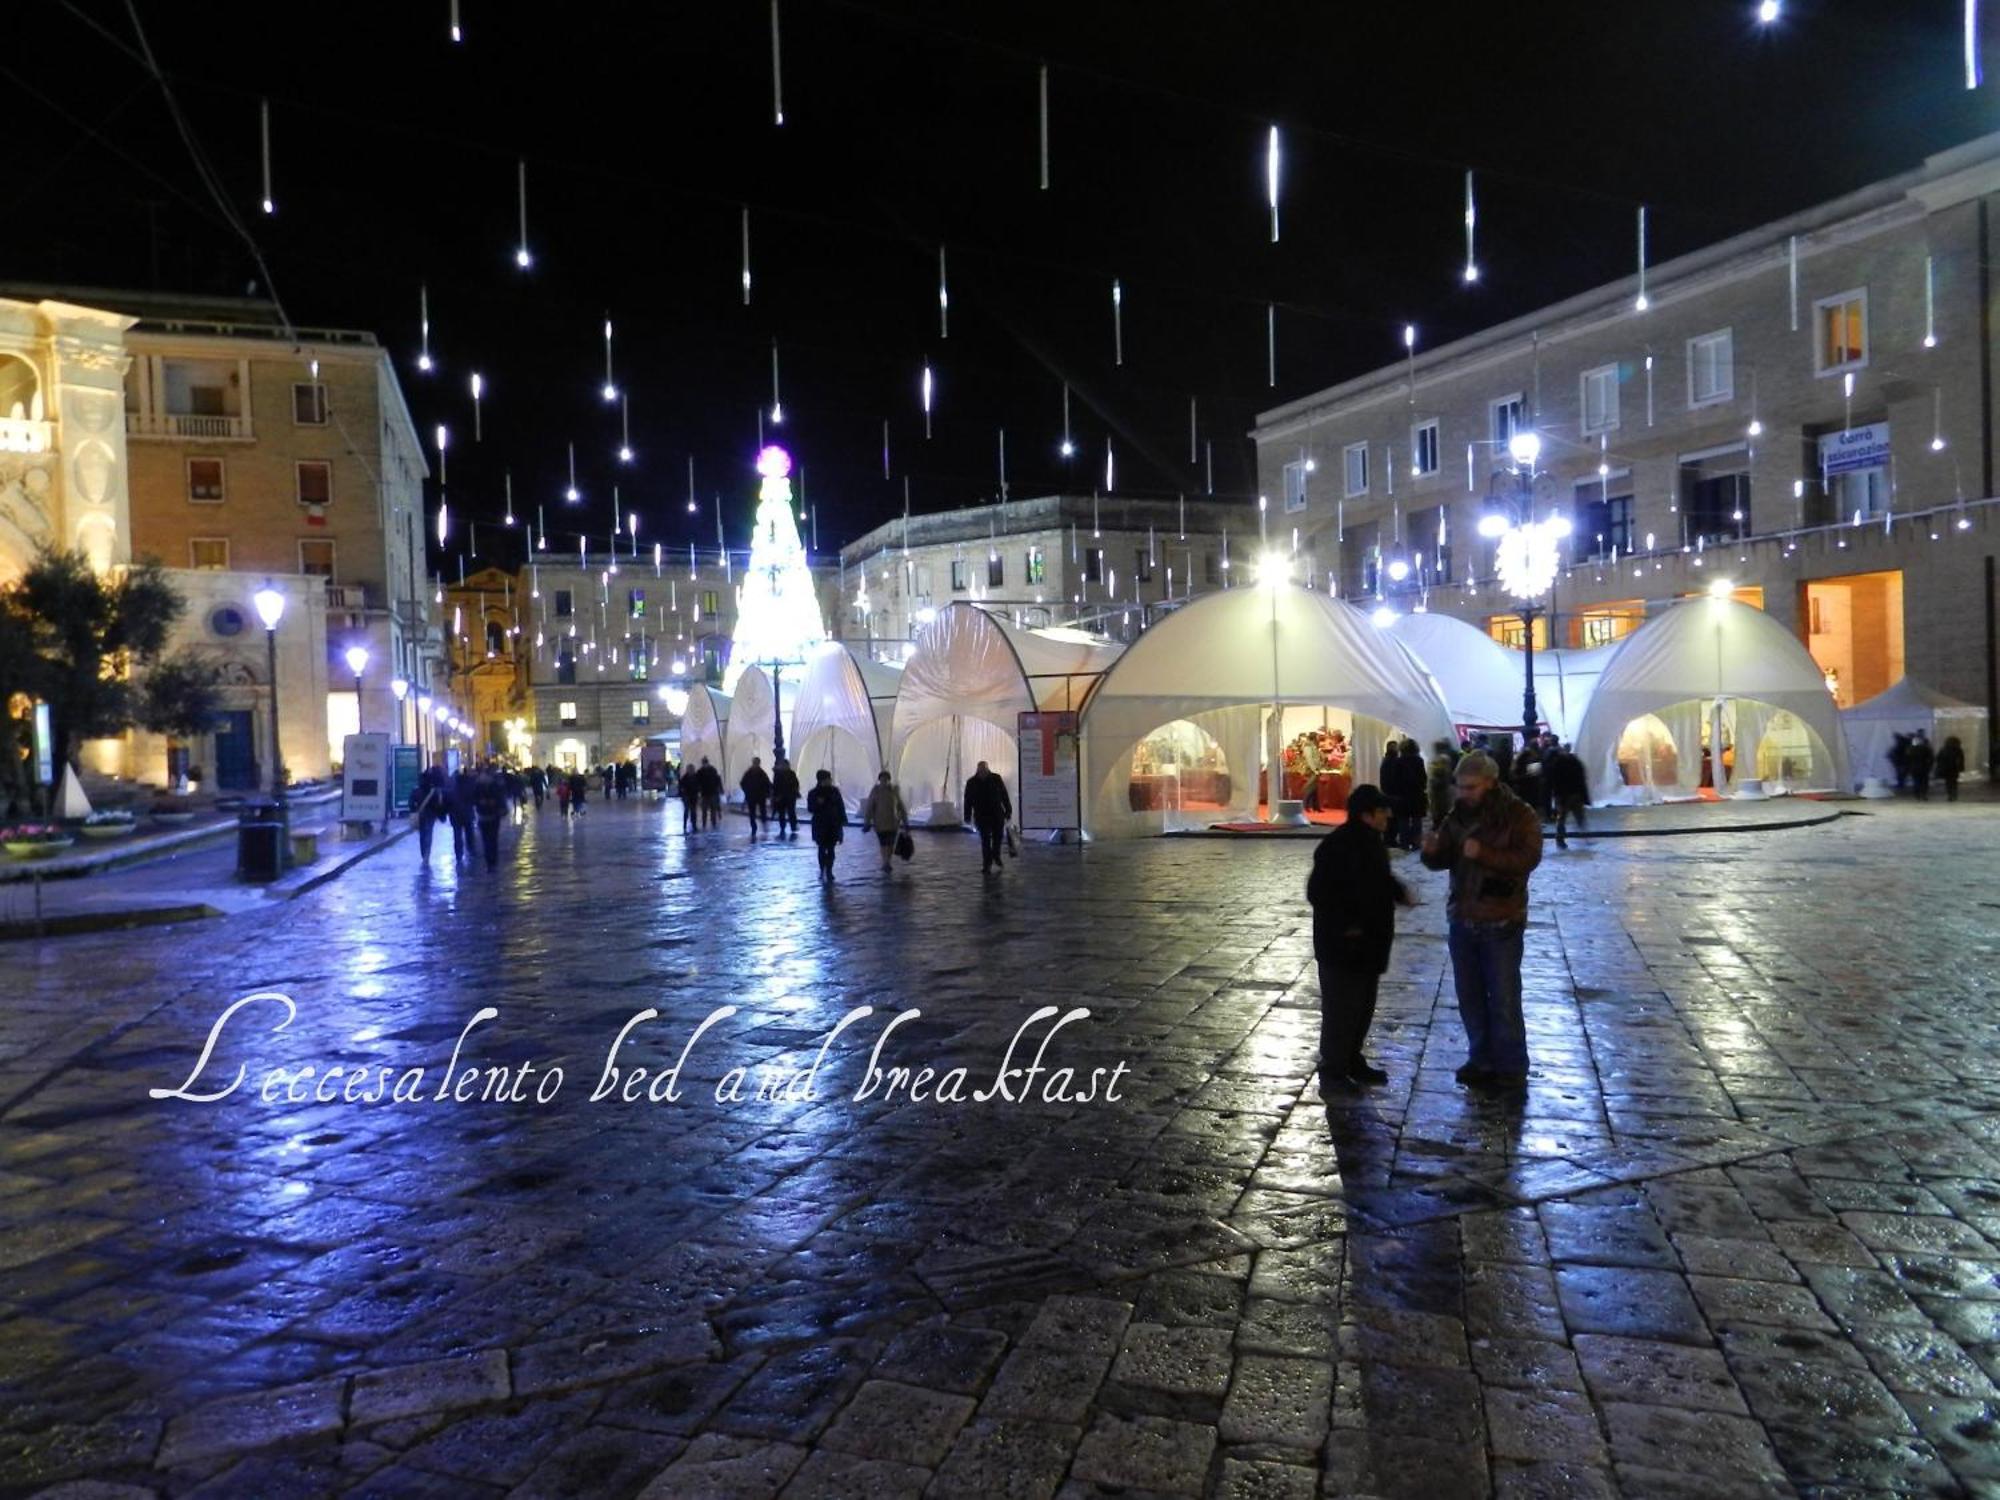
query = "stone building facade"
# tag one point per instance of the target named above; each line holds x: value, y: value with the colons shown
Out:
x: 1806, y: 411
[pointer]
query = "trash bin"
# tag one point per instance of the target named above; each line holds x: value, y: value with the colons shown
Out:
x: 260, y: 833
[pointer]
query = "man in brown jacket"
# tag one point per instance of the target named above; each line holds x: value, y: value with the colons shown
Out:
x: 1490, y: 842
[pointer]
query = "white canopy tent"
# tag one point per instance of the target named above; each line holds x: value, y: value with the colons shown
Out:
x: 705, y: 727
x: 1719, y: 665
x: 1219, y: 663
x: 1908, y: 706
x: 748, y: 730
x: 971, y: 674
x: 1480, y: 679
x: 1565, y: 677
x: 841, y: 720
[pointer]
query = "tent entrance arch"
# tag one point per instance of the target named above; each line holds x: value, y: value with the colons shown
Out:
x: 841, y: 719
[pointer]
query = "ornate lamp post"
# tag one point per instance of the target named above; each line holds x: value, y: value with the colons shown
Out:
x: 1526, y: 559
x: 357, y: 663
x: 270, y: 606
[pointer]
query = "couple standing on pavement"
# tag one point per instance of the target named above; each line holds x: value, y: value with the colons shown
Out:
x: 469, y: 801
x: 1489, y: 843
x: 764, y: 791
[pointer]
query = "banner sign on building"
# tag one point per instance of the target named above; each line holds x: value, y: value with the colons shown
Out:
x: 364, y: 778
x: 408, y: 762
x: 1050, y: 792
x: 1856, y: 448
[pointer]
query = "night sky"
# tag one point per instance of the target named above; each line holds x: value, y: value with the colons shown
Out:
x: 647, y: 128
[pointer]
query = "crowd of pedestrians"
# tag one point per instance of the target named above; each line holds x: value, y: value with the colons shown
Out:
x: 1917, y: 763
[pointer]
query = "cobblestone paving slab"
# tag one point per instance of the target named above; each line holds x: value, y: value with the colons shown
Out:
x: 1740, y: 1236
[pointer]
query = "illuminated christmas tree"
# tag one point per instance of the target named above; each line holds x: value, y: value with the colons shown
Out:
x: 777, y: 608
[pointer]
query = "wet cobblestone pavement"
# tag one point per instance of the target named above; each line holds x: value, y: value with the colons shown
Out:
x: 1741, y: 1238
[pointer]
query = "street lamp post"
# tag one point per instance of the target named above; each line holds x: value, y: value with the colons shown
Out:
x: 270, y: 605
x: 400, y: 686
x: 357, y: 663
x: 1526, y: 560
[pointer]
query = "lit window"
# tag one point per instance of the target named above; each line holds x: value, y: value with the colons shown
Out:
x: 711, y: 603
x: 1507, y: 416
x: 635, y: 602
x: 1424, y: 447
x: 208, y: 553
x: 204, y: 476
x: 315, y: 482
x: 1842, y: 324
x: 1354, y: 464
x: 1600, y: 399
x: 308, y: 405
x: 1295, y: 485
x: 642, y: 710
x: 566, y: 713
x: 316, y: 558
x: 1036, y: 565
x: 1711, y: 368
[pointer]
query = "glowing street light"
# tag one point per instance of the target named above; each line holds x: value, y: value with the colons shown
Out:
x: 357, y: 663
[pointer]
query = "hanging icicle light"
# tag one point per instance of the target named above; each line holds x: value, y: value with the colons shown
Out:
x: 928, y: 390
x: 1117, y: 321
x: 1973, y: 76
x: 1767, y: 12
x: 457, y: 31
x: 624, y: 427
x: 443, y: 441
x: 507, y: 481
x: 691, y: 504
x: 572, y: 494
x: 746, y: 256
x: 1068, y: 449
x: 1930, y: 303
x: 264, y: 135
x: 1271, y: 343
x: 1110, y: 469
x: 1271, y: 163
x: 478, y: 393
x: 1639, y: 303
x: 1044, y: 85
x: 1471, y: 219
x: 521, y: 256
x: 610, y: 392
x: 777, y: 72
x: 444, y: 521
x: 777, y: 405
x: 1937, y: 419
x: 424, y: 328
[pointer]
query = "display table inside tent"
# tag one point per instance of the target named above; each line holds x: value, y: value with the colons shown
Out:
x: 1331, y: 795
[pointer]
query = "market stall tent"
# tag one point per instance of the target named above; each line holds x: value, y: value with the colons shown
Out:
x: 704, y: 727
x: 1715, y: 671
x: 841, y: 720
x: 1564, y: 680
x: 972, y: 673
x: 748, y: 730
x: 1479, y: 678
x: 1908, y: 706
x: 1219, y: 663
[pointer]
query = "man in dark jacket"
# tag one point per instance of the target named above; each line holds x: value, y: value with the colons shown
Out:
x: 1569, y: 790
x: 690, y: 788
x: 1490, y: 843
x: 489, y: 806
x: 430, y: 802
x: 464, y: 839
x: 1411, y: 793
x: 987, y: 808
x: 1354, y: 900
x: 826, y: 811
x: 709, y: 780
x: 785, y: 797
x: 756, y: 784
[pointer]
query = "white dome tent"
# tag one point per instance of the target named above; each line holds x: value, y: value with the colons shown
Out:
x: 1717, y: 664
x: 1911, y: 705
x: 1565, y: 678
x: 747, y: 731
x: 1216, y: 665
x: 969, y: 677
x: 1480, y: 679
x: 841, y: 720
x: 705, y: 727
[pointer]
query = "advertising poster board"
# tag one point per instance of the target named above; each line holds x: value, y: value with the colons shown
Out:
x: 407, y: 763
x: 364, y: 778
x: 1050, y: 795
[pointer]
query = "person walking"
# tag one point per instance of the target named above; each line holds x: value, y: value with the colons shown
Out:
x: 756, y: 784
x: 1489, y: 844
x: 1411, y: 796
x: 709, y: 780
x: 489, y: 806
x: 1354, y: 900
x: 785, y: 797
x: 1437, y: 790
x: 1950, y: 765
x: 826, y: 815
x: 884, y: 812
x: 579, y: 791
x: 464, y: 839
x: 538, y: 785
x: 1569, y: 790
x: 1922, y: 758
x: 562, y: 796
x: 987, y: 808
x: 690, y: 799
x: 1899, y: 759
x: 433, y: 801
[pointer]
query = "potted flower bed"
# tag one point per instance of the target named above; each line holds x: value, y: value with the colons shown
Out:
x: 173, y: 810
x: 109, y: 824
x: 34, y: 840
